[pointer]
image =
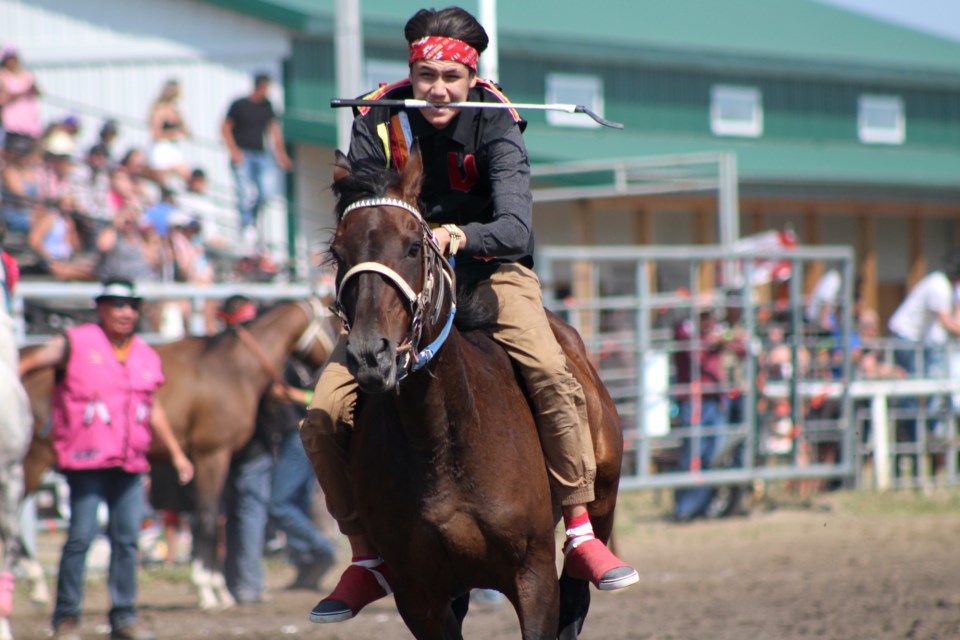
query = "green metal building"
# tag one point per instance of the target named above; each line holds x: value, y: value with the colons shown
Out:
x: 844, y: 127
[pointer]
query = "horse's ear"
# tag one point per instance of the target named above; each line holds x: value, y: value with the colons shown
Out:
x: 412, y: 176
x: 341, y: 166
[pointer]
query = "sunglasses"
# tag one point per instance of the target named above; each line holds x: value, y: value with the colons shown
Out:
x: 120, y: 303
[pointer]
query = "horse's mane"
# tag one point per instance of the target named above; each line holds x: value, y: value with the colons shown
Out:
x: 370, y: 183
x: 228, y: 335
x: 472, y: 312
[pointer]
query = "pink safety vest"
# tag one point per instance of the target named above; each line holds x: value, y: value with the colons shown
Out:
x: 101, y: 408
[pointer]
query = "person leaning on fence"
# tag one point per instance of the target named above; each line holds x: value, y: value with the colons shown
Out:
x: 477, y: 176
x: 105, y: 414
x: 922, y: 324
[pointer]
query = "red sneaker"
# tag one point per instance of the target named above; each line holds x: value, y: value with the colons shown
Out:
x: 592, y: 560
x: 362, y: 583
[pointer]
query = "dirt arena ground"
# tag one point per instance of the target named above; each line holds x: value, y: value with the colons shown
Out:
x: 846, y: 566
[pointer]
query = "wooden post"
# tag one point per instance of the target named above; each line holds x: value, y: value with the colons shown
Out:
x: 757, y: 222
x: 915, y: 254
x: 704, y: 232
x: 643, y: 235
x: 813, y: 236
x: 583, y: 285
x: 867, y: 255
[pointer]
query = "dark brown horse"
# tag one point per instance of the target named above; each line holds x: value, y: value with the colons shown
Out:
x: 449, y: 475
x: 213, y: 385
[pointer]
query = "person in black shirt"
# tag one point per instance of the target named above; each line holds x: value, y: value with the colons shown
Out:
x: 249, y: 120
x: 246, y: 493
x: 293, y: 484
x: 476, y: 192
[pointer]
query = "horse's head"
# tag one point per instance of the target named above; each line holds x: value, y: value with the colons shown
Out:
x: 390, y: 274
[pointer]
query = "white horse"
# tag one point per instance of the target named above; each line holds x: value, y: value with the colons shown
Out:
x: 16, y: 424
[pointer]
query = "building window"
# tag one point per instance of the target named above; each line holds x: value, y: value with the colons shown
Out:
x: 880, y: 120
x: 736, y: 111
x: 564, y: 88
x: 384, y: 72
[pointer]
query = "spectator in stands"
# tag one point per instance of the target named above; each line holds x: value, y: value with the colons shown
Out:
x: 167, y: 129
x: 58, y: 165
x: 159, y: 214
x: 699, y: 372
x: 144, y: 191
x: 55, y: 240
x: 188, y: 262
x: 21, y: 189
x: 248, y: 121
x: 196, y: 203
x: 71, y: 126
x: 90, y: 184
x: 108, y: 135
x: 121, y: 193
x: 128, y: 249
x: 19, y: 98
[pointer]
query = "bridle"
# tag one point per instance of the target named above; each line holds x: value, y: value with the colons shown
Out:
x: 315, y: 331
x: 438, y: 277
x: 317, y: 313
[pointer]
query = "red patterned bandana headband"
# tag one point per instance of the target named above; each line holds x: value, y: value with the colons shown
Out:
x: 443, y: 48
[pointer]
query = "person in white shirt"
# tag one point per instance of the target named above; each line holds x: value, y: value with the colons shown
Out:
x: 923, y: 322
x: 821, y: 310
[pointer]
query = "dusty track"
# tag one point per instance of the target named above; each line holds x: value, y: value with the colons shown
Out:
x: 848, y: 566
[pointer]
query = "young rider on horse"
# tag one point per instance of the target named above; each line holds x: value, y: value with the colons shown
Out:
x: 477, y: 192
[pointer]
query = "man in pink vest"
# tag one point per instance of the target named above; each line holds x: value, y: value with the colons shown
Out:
x: 104, y: 417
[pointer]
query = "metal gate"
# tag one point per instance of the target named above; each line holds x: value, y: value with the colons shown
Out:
x: 783, y: 406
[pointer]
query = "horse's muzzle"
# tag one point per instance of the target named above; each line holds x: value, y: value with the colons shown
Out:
x: 373, y: 362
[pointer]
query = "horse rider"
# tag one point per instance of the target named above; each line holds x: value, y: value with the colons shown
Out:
x: 104, y: 417
x: 477, y: 194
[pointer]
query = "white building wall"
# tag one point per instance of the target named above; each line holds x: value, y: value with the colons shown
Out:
x: 109, y: 58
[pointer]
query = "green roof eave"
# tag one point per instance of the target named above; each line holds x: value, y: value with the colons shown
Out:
x: 277, y: 13
x: 720, y: 61
x: 762, y: 162
x: 310, y: 127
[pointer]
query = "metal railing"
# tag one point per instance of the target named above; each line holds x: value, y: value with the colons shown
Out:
x: 792, y: 406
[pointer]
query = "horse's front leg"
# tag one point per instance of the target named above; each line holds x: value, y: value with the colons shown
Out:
x: 536, y: 596
x: 429, y: 616
x: 210, y: 472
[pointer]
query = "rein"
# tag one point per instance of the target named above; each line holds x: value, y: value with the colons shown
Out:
x: 430, y: 295
x: 314, y: 331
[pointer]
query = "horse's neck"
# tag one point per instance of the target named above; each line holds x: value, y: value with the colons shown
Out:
x: 276, y: 333
x: 436, y: 404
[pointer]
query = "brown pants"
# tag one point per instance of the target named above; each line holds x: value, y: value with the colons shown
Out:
x: 523, y: 330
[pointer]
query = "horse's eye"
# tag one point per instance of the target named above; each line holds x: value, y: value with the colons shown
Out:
x: 414, y: 249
